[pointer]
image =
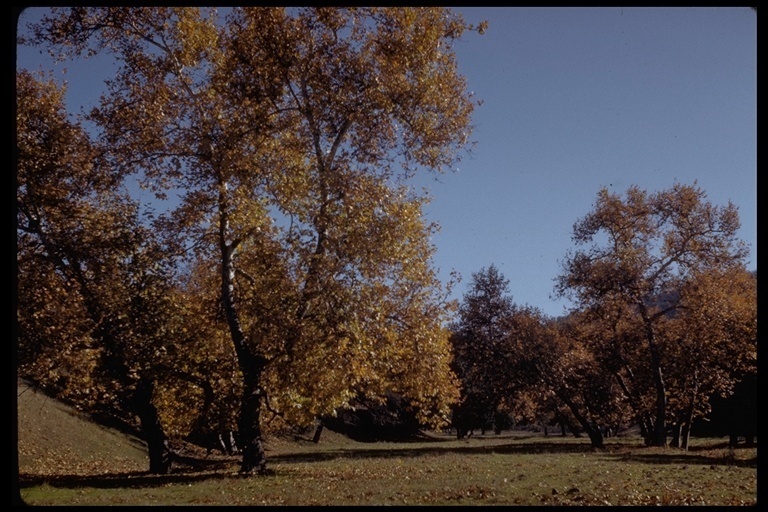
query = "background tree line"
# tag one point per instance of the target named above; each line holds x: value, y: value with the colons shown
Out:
x: 665, y: 322
x: 292, y: 278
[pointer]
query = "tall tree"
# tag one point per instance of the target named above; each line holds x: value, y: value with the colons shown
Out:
x: 294, y: 116
x: 479, y: 339
x: 92, y: 279
x: 644, y: 248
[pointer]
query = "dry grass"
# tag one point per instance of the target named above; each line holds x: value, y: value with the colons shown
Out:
x: 516, y: 468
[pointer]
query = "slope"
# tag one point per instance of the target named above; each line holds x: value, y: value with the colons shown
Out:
x: 54, y: 439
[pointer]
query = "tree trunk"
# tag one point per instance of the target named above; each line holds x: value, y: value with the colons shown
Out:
x: 646, y: 427
x: 659, y: 434
x: 685, y: 436
x: 160, y: 455
x: 688, y: 420
x: 595, y: 436
x: 318, y: 432
x: 677, y: 429
x: 227, y: 443
x: 251, y: 366
x: 254, y: 457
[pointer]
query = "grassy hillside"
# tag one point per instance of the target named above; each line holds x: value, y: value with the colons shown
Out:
x: 66, y: 460
x: 54, y: 439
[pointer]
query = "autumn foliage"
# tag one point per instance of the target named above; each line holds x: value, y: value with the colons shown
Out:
x: 289, y: 136
x: 661, y: 280
x: 665, y: 320
x: 283, y: 270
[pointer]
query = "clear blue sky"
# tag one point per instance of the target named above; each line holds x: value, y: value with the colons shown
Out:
x: 580, y: 98
x: 575, y: 99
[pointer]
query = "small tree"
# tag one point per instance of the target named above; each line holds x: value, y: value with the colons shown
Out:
x: 546, y: 362
x: 713, y: 343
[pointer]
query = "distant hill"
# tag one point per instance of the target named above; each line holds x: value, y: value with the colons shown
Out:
x: 55, y: 439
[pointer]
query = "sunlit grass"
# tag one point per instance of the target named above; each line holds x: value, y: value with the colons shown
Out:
x: 513, y: 468
x: 65, y: 460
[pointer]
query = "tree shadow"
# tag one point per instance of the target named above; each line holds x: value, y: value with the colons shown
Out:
x: 432, y: 450
x: 186, y: 469
x: 685, y: 458
x: 197, y: 469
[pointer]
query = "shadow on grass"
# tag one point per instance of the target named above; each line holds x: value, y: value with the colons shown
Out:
x: 192, y: 470
x: 432, y: 449
x: 197, y: 470
x: 675, y: 456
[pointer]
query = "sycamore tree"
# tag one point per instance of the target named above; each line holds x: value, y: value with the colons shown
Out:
x: 545, y: 369
x: 199, y: 401
x: 288, y: 136
x: 92, y: 280
x: 585, y: 385
x: 713, y: 342
x: 373, y: 95
x: 639, y: 252
x: 614, y: 337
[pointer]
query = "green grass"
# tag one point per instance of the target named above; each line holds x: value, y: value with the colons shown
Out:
x: 514, y: 468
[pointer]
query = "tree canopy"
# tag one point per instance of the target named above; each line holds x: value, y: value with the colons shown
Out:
x: 480, y: 338
x: 289, y: 136
x: 645, y: 254
x: 291, y: 275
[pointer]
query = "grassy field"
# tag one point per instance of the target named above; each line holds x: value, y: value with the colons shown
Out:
x: 64, y: 460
